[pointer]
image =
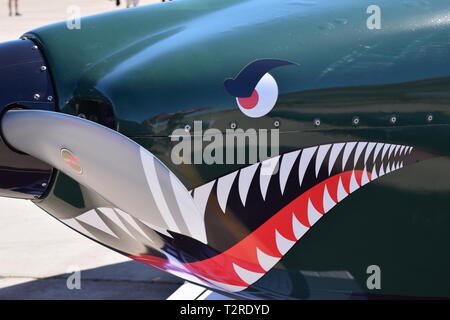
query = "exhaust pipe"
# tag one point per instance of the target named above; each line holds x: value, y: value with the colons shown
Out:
x: 106, y: 161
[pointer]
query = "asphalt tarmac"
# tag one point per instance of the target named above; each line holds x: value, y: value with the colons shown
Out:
x: 38, y: 254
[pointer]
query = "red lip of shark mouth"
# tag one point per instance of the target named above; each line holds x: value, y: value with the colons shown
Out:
x: 247, y: 261
x: 337, y: 175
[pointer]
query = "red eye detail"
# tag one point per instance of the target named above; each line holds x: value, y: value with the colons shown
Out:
x: 249, y: 102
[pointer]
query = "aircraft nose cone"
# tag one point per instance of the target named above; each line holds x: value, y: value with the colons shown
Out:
x: 25, y: 83
x: 24, y: 75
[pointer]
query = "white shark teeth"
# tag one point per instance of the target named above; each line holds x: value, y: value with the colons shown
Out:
x: 298, y: 228
x: 391, y: 150
x: 381, y: 171
x: 154, y: 182
x: 91, y: 218
x: 245, y: 179
x: 353, y: 183
x: 349, y: 146
x: 266, y: 261
x: 377, y: 151
x: 111, y: 214
x: 286, y: 166
x: 305, y: 158
x: 385, y: 149
x: 365, y: 178
x: 396, y: 150
x: 369, y: 149
x: 321, y: 153
x: 129, y: 219
x: 335, y: 150
x: 388, y: 169
x: 189, y: 210
x: 359, y: 149
x: 373, y: 175
x: 313, y: 214
x: 371, y: 152
x: 341, y: 193
x: 268, y: 169
x: 283, y: 244
x: 224, y: 185
x: 247, y: 276
x: 328, y: 202
x: 201, y: 196
x: 75, y: 224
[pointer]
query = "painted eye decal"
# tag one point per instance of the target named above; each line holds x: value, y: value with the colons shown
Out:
x: 262, y: 100
x: 255, y: 90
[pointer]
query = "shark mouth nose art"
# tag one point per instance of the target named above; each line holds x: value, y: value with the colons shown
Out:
x: 285, y: 195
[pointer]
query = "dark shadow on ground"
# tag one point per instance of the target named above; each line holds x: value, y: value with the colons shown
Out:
x: 127, y: 280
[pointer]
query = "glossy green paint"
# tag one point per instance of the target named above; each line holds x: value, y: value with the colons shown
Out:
x: 399, y: 223
x: 156, y: 64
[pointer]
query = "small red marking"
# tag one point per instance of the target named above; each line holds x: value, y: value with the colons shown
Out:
x: 249, y: 102
x: 71, y: 161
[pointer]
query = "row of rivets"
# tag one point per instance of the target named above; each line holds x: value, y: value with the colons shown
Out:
x: 233, y: 125
x: 37, y: 96
x: 356, y: 120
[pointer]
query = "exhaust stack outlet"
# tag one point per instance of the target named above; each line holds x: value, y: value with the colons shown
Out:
x: 106, y: 161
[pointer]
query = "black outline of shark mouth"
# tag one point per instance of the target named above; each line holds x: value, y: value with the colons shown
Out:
x: 273, y: 204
